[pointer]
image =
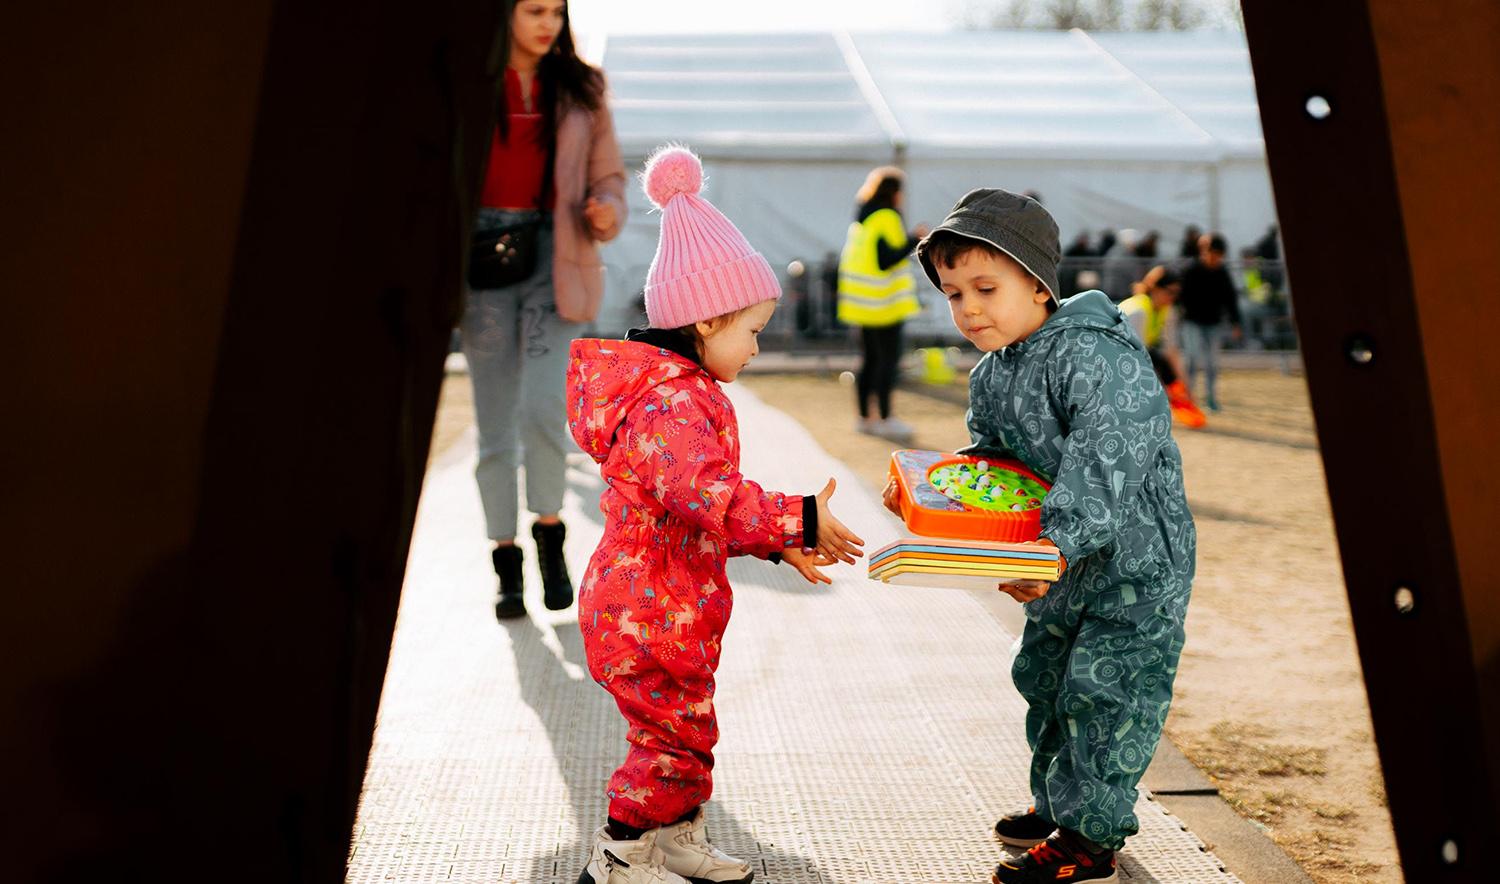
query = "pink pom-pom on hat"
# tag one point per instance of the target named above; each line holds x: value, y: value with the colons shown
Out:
x: 704, y: 266
x: 670, y: 171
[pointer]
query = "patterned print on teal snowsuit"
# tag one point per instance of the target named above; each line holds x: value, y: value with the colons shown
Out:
x: 1078, y: 402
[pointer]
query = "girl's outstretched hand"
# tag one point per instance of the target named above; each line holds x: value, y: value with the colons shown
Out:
x: 834, y: 540
x: 807, y: 562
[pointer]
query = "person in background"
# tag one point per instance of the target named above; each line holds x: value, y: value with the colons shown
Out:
x: 1252, y: 278
x: 1150, y: 314
x: 1190, y: 238
x: 1268, y: 249
x: 1106, y: 242
x: 1153, y: 320
x: 1119, y: 268
x: 878, y: 293
x: 554, y: 168
x: 1208, y: 301
x: 1148, y: 246
x: 1075, y: 260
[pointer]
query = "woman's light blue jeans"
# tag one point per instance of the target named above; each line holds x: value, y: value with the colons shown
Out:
x: 517, y: 350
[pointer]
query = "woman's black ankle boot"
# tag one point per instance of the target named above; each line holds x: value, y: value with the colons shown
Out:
x: 507, y: 561
x: 557, y: 589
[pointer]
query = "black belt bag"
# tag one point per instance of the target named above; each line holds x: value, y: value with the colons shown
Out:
x: 504, y: 256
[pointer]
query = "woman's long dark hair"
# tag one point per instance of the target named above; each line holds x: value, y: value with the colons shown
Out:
x: 567, y: 80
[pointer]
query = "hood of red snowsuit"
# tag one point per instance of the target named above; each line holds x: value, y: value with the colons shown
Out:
x: 607, y: 380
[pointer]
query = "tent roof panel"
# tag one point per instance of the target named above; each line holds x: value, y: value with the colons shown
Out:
x: 1023, y: 92
x: 1205, y: 73
x: 1186, y: 95
x: 741, y: 95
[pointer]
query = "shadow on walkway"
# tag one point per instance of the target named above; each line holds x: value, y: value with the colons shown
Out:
x: 587, y: 737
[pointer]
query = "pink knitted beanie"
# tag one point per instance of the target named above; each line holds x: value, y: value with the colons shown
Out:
x: 704, y: 267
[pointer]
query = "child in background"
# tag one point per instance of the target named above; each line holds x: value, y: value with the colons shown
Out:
x: 655, y: 601
x: 1150, y: 314
x: 1066, y: 388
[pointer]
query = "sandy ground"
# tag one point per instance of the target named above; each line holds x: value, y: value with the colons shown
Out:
x: 1270, y: 701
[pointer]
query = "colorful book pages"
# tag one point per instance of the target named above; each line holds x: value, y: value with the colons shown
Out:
x: 963, y: 564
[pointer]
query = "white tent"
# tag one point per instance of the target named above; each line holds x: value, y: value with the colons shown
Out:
x: 1152, y: 131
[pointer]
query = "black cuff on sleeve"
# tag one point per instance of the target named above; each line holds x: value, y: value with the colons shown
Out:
x: 774, y: 558
x: 810, y: 522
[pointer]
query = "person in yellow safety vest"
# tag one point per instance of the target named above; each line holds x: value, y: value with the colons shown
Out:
x: 877, y: 292
x: 1151, y: 315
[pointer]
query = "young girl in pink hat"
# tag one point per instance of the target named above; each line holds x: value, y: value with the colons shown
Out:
x: 654, y: 602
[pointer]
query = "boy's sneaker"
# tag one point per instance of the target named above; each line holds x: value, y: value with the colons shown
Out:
x: 1024, y: 830
x: 689, y: 854
x: 627, y: 862
x: 1059, y: 858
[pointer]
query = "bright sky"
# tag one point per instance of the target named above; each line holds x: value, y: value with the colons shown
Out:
x: 710, y: 16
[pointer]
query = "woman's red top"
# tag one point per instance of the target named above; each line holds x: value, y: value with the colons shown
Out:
x: 517, y: 163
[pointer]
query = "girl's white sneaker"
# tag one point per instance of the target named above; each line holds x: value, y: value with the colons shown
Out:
x: 689, y: 854
x: 627, y: 862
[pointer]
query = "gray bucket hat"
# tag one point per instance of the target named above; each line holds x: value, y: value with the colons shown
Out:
x: 1016, y: 225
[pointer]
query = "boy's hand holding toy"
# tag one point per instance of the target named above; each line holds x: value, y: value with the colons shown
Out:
x: 891, y: 496
x: 1030, y: 590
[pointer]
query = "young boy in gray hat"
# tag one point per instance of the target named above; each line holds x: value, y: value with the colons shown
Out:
x: 1066, y: 388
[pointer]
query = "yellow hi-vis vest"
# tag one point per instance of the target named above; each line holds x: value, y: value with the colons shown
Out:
x: 868, y: 295
x: 1156, y: 320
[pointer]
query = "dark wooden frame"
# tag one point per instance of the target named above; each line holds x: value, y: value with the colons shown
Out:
x: 1360, y: 309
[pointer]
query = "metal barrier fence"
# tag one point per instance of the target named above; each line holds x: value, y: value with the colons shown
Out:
x: 808, y: 318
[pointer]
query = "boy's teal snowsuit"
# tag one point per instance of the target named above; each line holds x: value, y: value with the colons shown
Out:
x: 1078, y: 402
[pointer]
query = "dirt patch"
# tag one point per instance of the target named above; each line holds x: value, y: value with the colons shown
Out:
x: 1270, y: 700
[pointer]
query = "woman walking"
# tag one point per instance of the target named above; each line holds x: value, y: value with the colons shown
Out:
x: 553, y: 191
x: 877, y: 292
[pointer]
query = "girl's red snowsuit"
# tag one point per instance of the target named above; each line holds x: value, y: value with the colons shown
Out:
x: 654, y: 602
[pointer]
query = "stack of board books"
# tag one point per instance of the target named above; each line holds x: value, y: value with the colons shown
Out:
x: 962, y: 564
